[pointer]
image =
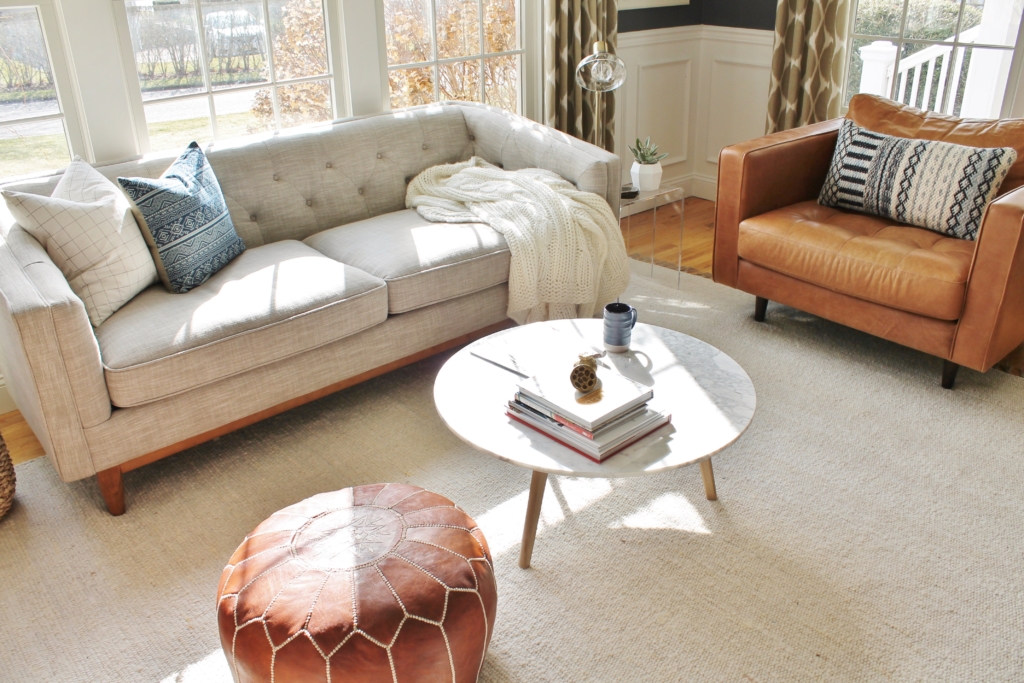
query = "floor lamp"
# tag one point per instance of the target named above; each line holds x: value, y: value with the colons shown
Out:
x: 600, y: 72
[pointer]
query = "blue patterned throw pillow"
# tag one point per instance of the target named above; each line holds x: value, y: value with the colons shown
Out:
x: 185, y: 221
x: 931, y: 184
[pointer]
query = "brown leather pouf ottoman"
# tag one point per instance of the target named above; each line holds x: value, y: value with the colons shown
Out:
x: 386, y: 583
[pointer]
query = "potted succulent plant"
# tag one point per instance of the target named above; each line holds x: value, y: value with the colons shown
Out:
x: 646, y: 170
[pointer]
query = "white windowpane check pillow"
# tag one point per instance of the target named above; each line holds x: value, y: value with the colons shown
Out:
x: 87, y: 228
x: 931, y: 184
x: 185, y: 221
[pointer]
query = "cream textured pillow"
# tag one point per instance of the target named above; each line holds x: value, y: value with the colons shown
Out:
x: 88, y: 229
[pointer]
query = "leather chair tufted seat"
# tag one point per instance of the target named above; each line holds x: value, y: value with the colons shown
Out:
x: 871, y: 258
x: 386, y: 582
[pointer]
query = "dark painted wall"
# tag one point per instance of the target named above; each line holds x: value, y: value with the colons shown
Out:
x: 736, y: 13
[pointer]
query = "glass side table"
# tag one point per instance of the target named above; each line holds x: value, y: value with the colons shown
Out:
x: 634, y: 229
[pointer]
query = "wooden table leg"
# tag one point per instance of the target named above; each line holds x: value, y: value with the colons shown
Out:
x: 708, y: 474
x: 537, y: 484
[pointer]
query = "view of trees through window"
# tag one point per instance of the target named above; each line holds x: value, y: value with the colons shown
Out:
x: 453, y: 50
x: 951, y: 56
x: 32, y: 136
x: 227, y: 68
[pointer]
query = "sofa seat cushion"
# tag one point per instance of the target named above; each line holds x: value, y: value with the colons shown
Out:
x: 269, y: 303
x: 871, y: 258
x: 422, y: 262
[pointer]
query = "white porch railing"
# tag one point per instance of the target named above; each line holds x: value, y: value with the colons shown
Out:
x: 916, y: 82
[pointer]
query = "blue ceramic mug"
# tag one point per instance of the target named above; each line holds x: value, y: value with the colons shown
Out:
x: 619, y: 320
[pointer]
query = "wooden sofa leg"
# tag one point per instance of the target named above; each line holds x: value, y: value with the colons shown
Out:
x: 760, y: 308
x: 949, y: 369
x: 112, y: 489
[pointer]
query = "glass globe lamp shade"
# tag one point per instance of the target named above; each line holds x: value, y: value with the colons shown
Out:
x: 601, y: 71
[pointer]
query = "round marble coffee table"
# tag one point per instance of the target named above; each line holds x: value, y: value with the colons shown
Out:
x: 710, y: 397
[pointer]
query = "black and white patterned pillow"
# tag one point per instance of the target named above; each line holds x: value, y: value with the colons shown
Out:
x: 931, y: 184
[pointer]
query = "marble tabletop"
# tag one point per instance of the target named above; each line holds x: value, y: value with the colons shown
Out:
x: 709, y: 395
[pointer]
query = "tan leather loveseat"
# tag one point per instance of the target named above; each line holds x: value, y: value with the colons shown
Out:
x: 960, y: 300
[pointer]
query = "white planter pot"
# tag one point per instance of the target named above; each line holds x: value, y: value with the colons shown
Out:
x: 646, y: 176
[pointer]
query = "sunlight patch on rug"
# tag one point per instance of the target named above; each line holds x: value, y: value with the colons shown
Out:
x: 667, y: 511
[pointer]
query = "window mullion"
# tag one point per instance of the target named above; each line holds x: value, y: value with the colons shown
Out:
x: 953, y: 56
x: 899, y: 51
x: 270, y: 65
x: 483, y: 48
x: 433, y: 50
x: 204, y: 68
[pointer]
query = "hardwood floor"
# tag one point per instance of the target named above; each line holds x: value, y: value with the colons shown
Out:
x: 22, y: 444
x: 642, y: 235
x: 693, y: 255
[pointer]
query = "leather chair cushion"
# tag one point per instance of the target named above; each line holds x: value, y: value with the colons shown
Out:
x: 881, y: 115
x: 870, y: 258
x: 373, y: 583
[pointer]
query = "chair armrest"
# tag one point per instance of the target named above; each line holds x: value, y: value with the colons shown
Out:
x: 516, y: 142
x: 992, y: 324
x: 764, y: 174
x: 51, y: 360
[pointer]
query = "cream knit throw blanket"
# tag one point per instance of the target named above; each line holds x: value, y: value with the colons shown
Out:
x: 568, y: 256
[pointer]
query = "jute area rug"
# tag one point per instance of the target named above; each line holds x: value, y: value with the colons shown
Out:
x: 870, y: 527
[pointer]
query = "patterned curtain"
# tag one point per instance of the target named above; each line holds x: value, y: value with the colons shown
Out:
x: 570, y: 29
x: 808, y: 63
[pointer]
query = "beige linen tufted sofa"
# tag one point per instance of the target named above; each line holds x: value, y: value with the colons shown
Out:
x: 339, y: 283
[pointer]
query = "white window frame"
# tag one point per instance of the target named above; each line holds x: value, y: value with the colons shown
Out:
x: 53, y: 37
x: 273, y: 84
x: 1013, y: 81
x: 367, y: 85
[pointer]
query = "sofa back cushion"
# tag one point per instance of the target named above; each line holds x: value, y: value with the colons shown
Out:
x: 293, y: 185
x: 881, y: 115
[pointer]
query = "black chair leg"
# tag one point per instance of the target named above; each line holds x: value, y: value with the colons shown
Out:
x: 760, y: 308
x: 949, y: 369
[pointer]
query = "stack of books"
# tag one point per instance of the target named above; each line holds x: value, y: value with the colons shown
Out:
x: 597, y: 424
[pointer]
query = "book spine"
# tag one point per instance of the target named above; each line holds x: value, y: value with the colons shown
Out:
x: 550, y: 436
x: 560, y: 419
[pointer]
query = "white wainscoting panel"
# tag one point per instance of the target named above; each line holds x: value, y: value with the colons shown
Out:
x: 737, y: 88
x: 664, y: 90
x: 694, y: 90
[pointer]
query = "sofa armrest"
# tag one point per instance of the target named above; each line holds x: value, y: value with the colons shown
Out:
x: 51, y: 360
x: 516, y: 142
x: 992, y: 324
x: 764, y: 174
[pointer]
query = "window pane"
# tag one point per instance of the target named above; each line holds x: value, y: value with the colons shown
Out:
x: 923, y: 75
x: 981, y: 83
x: 459, y: 81
x: 458, y: 28
x: 501, y: 82
x: 501, y: 33
x: 26, y: 82
x: 173, y: 125
x: 243, y: 113
x: 32, y: 148
x: 879, y: 17
x: 994, y: 22
x: 870, y: 71
x: 934, y: 19
x: 235, y: 42
x: 166, y: 45
x: 407, y: 24
x: 410, y: 87
x: 303, y: 103
x: 300, y: 39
